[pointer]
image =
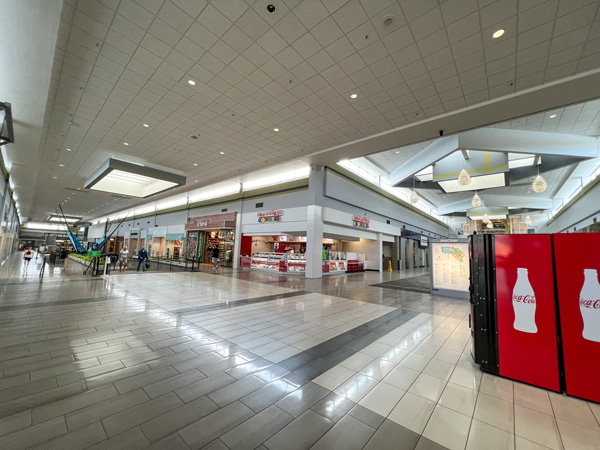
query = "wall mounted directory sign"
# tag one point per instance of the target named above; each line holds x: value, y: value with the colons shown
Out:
x: 360, y: 222
x: 269, y: 216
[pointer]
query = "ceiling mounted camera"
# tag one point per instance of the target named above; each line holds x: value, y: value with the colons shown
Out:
x: 271, y: 9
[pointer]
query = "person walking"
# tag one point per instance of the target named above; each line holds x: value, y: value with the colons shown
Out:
x: 142, y: 257
x: 27, y: 257
x: 215, y: 258
x: 123, y: 259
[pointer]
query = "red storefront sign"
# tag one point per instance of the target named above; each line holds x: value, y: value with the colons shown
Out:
x: 527, y: 343
x: 360, y: 222
x: 577, y: 265
x: 269, y: 216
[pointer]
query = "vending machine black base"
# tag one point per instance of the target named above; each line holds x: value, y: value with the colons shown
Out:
x: 482, y: 319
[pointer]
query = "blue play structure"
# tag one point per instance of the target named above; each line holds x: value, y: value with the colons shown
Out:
x: 79, y: 248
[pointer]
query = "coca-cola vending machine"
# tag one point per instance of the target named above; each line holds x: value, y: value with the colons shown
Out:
x: 577, y: 265
x: 513, y: 310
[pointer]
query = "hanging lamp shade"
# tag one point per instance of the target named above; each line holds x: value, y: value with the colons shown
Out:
x: 453, y: 223
x: 539, y: 184
x: 464, y: 179
x: 528, y: 220
x: 490, y: 225
x: 414, y: 197
x: 486, y: 218
x: 476, y: 202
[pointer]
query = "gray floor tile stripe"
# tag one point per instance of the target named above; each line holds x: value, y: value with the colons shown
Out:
x: 319, y: 359
x: 233, y: 304
x: 51, y: 304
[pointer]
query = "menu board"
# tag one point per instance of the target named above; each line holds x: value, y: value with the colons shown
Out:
x: 450, y: 265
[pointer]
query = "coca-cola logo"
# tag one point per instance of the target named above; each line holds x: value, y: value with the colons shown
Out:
x: 592, y: 304
x: 523, y: 298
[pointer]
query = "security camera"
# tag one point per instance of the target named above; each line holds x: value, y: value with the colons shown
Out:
x: 270, y: 9
x: 441, y: 132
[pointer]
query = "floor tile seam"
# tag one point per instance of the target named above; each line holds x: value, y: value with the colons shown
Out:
x: 237, y: 303
x: 57, y: 304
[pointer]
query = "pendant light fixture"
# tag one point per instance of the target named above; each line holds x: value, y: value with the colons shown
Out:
x: 528, y: 220
x: 490, y: 225
x: 486, y: 218
x: 464, y: 179
x: 414, y: 197
x: 476, y: 201
x: 453, y: 223
x: 539, y: 184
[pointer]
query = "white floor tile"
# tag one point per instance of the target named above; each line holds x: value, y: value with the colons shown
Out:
x: 448, y: 428
x: 382, y: 399
x: 401, y: 377
x: 495, y: 412
x: 486, y: 437
x: 334, y: 377
x: 428, y: 387
x: 412, y: 412
x: 459, y: 398
x: 537, y: 427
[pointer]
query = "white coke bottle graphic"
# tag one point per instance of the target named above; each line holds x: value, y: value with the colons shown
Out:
x: 524, y: 303
x: 589, y: 305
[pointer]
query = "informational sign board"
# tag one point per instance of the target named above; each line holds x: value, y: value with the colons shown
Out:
x: 449, y: 267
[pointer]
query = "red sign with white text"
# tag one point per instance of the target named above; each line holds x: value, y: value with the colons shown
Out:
x: 527, y: 344
x: 577, y: 267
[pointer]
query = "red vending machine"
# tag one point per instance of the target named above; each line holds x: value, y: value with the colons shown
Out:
x: 513, y: 312
x: 525, y: 307
x: 577, y: 261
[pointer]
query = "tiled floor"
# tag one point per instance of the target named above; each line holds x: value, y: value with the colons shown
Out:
x: 252, y: 360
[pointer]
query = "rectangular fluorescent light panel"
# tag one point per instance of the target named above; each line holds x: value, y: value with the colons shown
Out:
x: 477, y: 183
x: 61, y: 220
x: 514, y: 163
x: 121, y: 177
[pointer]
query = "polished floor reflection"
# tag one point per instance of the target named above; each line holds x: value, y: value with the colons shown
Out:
x: 251, y: 360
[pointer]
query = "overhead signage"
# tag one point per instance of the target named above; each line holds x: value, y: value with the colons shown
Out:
x: 160, y: 232
x: 424, y: 241
x: 269, y: 216
x: 360, y: 222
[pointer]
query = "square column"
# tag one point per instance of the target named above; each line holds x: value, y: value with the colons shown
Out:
x: 237, y: 240
x: 314, y: 242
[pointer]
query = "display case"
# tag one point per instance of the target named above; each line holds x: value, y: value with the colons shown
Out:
x: 266, y: 260
x: 296, y: 262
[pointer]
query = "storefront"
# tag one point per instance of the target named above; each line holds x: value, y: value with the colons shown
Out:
x: 203, y: 234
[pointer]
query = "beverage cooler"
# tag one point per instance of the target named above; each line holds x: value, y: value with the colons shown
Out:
x: 535, y: 310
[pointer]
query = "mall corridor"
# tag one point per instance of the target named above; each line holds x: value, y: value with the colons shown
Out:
x: 241, y: 360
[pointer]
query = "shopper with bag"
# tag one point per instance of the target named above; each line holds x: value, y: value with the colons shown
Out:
x: 142, y: 258
x: 215, y: 258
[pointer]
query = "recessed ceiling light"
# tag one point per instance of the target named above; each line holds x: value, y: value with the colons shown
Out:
x: 195, y: 164
x: 275, y: 129
x: 553, y: 116
x: 498, y: 33
x: 222, y: 153
x: 61, y: 165
x: 68, y: 198
x: 191, y: 82
x: 55, y: 177
x: 68, y: 149
x: 353, y: 96
x: 397, y: 152
x: 146, y: 125
x: 195, y: 181
x: 125, y: 143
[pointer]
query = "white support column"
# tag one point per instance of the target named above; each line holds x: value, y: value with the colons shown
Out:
x: 380, y: 250
x: 238, y: 240
x: 314, y: 242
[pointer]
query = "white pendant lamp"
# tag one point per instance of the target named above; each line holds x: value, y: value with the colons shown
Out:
x: 414, y: 197
x: 490, y: 225
x: 464, y: 179
x: 528, y: 220
x: 476, y: 201
x: 539, y: 184
x: 453, y: 223
x: 486, y: 218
